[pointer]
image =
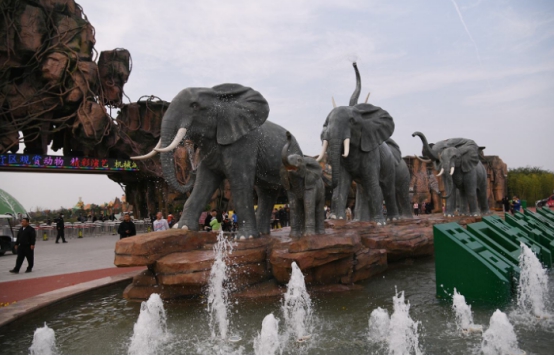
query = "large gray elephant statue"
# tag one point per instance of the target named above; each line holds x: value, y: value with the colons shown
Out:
x: 401, y: 187
x: 302, y: 179
x: 228, y: 123
x: 457, y: 160
x: 357, y: 141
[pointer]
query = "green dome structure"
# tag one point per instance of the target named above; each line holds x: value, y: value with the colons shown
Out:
x: 10, y: 205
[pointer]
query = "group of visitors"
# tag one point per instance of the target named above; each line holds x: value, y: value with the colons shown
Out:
x: 424, y: 208
x: 511, y: 205
x: 224, y: 221
x: 280, y: 217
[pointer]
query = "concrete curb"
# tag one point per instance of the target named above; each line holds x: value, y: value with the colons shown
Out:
x: 29, y: 305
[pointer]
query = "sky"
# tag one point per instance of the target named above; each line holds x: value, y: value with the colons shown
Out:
x: 482, y: 70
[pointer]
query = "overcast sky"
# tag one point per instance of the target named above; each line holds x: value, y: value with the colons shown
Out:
x: 477, y: 69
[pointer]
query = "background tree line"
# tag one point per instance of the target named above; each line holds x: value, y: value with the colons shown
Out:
x: 530, y: 183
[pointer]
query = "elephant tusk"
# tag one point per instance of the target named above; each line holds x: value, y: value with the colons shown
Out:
x: 423, y: 159
x: 150, y: 154
x: 441, y: 172
x: 334, y: 104
x: 451, y: 170
x: 367, y: 98
x: 176, y: 141
x: 323, y: 150
x: 346, y: 147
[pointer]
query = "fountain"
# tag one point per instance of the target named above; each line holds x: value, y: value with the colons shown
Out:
x: 218, y: 294
x: 297, y: 307
x: 399, y: 333
x: 341, y: 326
x: 403, y: 331
x: 379, y: 323
x: 463, y: 314
x: 267, y: 342
x: 44, y: 342
x: 532, y: 291
x: 150, y: 330
x: 500, y: 338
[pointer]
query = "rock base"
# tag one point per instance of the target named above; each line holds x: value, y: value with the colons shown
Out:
x: 179, y: 262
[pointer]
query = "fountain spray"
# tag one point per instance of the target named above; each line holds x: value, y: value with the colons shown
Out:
x: 44, y: 342
x: 150, y: 330
x: 500, y: 338
x: 532, y: 291
x: 297, y: 306
x: 463, y: 314
x: 218, y: 295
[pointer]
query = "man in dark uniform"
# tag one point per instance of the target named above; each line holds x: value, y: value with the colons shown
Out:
x: 25, y: 246
x: 127, y: 227
x: 61, y: 229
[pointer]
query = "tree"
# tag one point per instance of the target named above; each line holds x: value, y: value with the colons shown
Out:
x: 530, y: 183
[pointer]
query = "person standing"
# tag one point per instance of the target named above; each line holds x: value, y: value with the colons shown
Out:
x: 516, y: 203
x: 506, y: 204
x: 60, y: 225
x: 215, y: 222
x: 348, y: 213
x: 25, y: 246
x: 160, y: 224
x: 170, y: 220
x: 235, y: 221
x: 127, y: 227
x: 208, y: 220
x: 416, y: 209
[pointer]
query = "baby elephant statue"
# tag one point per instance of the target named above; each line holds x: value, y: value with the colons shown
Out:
x: 302, y: 179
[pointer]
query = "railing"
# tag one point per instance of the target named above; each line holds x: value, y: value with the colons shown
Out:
x: 78, y: 229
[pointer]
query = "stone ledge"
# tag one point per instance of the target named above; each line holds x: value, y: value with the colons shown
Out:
x: 26, y: 306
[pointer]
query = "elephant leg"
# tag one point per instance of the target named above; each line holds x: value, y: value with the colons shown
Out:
x: 266, y: 201
x: 387, y: 180
x: 340, y: 195
x: 309, y: 212
x: 296, y: 215
x: 361, y: 209
x: 402, y: 187
x: 372, y: 188
x: 470, y: 188
x: 389, y: 194
x: 243, y: 196
x: 451, y: 200
x: 462, y: 203
x: 206, y: 184
x: 319, y: 206
x: 482, y: 190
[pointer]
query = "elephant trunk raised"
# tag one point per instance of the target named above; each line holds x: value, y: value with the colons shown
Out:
x: 427, y: 151
x: 356, y: 94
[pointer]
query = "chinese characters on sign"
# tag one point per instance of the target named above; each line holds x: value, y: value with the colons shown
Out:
x: 62, y: 162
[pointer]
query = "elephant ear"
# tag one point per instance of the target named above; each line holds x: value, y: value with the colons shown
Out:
x: 313, y: 173
x: 377, y: 125
x: 470, y: 156
x: 239, y: 111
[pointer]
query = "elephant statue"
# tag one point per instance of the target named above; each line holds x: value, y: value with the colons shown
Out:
x: 357, y: 141
x: 457, y: 160
x: 228, y: 123
x: 302, y: 179
x: 401, y: 187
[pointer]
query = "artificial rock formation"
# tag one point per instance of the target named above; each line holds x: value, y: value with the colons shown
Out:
x: 179, y: 261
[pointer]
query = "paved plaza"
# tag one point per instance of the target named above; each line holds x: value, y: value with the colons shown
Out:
x: 78, y: 255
